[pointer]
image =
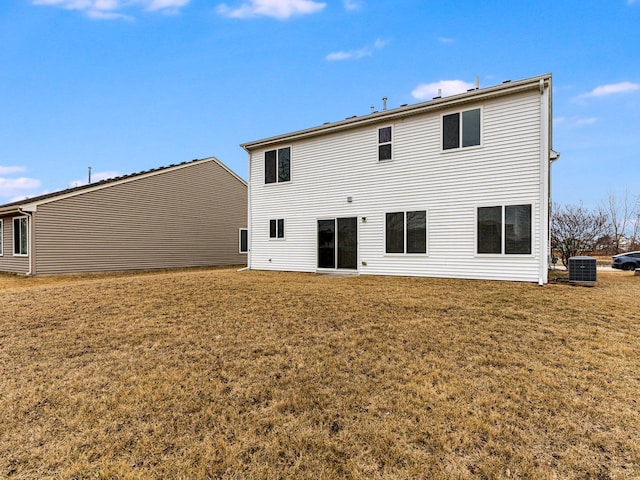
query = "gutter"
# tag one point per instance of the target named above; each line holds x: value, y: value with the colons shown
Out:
x: 536, y: 83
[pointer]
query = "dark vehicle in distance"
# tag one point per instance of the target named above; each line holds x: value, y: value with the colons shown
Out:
x: 626, y: 261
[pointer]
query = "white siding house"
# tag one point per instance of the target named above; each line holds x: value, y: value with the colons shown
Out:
x: 454, y: 187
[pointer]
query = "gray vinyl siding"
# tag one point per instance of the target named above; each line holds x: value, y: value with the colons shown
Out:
x: 180, y: 217
x: 507, y: 169
x: 9, y: 262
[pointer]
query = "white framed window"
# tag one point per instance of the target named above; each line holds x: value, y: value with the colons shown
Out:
x: 20, y: 236
x: 462, y: 129
x: 276, y: 229
x: 1, y: 238
x: 277, y: 165
x: 385, y: 143
x: 243, y: 246
x: 504, y: 230
x: 406, y: 232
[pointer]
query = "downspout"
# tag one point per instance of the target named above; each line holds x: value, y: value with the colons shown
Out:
x: 29, y: 239
x: 249, y: 229
x: 545, y: 184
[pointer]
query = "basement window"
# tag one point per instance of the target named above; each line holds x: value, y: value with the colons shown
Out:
x: 461, y: 129
x: 277, y: 165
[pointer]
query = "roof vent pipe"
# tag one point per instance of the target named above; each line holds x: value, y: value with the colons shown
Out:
x: 477, y: 83
x: 372, y: 107
x: 89, y: 175
x: 384, y: 103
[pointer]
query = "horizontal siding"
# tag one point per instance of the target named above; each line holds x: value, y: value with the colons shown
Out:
x: 9, y: 262
x: 178, y: 218
x: 449, y: 185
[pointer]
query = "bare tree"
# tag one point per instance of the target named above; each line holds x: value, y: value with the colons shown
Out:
x: 575, y: 230
x: 620, y: 213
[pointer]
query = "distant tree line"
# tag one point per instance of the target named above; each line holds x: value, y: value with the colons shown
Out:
x: 611, y: 228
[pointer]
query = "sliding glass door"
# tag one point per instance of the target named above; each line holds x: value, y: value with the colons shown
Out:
x: 338, y: 243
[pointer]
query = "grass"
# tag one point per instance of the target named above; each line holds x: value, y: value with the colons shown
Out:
x: 224, y: 374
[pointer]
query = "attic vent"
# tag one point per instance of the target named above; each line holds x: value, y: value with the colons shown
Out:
x: 582, y: 270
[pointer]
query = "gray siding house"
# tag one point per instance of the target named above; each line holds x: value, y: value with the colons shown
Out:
x: 453, y: 187
x: 186, y: 215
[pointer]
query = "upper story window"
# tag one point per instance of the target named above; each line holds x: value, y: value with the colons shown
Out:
x: 461, y: 129
x: 504, y: 229
x: 277, y: 165
x: 276, y: 228
x: 20, y: 236
x: 384, y: 143
x: 406, y: 232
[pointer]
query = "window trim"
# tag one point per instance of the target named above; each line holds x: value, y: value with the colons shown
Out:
x: 461, y: 130
x: 503, y: 239
x: 240, y: 232
x: 1, y: 237
x: 278, y: 238
x: 18, y: 254
x: 404, y: 253
x: 277, y: 150
x: 379, y: 143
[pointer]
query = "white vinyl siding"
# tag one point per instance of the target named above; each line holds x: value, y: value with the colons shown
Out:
x: 330, y: 168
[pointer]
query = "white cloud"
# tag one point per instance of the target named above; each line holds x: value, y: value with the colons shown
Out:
x: 605, y: 90
x: 426, y: 91
x: 355, y: 54
x: 280, y: 9
x: 12, y: 169
x: 352, y: 5
x: 574, y: 121
x: 445, y: 40
x: 113, y: 9
x: 95, y: 177
x: 17, y: 188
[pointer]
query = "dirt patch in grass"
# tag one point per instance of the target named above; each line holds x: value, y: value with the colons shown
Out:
x: 225, y: 374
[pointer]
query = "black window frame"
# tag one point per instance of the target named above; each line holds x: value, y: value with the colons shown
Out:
x: 493, y: 238
x: 277, y: 165
x: 458, y: 129
x: 407, y: 245
x: 385, y: 143
x: 276, y: 229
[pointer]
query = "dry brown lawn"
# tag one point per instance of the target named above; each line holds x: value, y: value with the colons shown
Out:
x: 242, y: 375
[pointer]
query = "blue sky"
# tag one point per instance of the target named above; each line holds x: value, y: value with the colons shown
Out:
x: 128, y: 85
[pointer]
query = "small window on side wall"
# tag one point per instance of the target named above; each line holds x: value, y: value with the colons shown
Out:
x: 277, y: 165
x: 1, y: 238
x: 276, y: 228
x: 461, y: 129
x: 244, y: 240
x: 20, y: 236
x: 384, y: 144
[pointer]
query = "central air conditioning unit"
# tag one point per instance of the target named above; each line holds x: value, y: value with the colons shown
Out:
x: 582, y: 270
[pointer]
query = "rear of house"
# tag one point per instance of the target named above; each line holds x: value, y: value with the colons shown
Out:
x: 183, y: 215
x: 454, y: 187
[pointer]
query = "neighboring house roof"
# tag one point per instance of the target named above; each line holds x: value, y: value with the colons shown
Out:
x: 28, y: 204
x: 438, y: 103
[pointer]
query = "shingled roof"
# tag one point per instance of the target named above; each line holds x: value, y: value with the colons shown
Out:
x: 103, y: 183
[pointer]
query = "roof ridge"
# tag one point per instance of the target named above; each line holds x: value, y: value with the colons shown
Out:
x: 106, y: 181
